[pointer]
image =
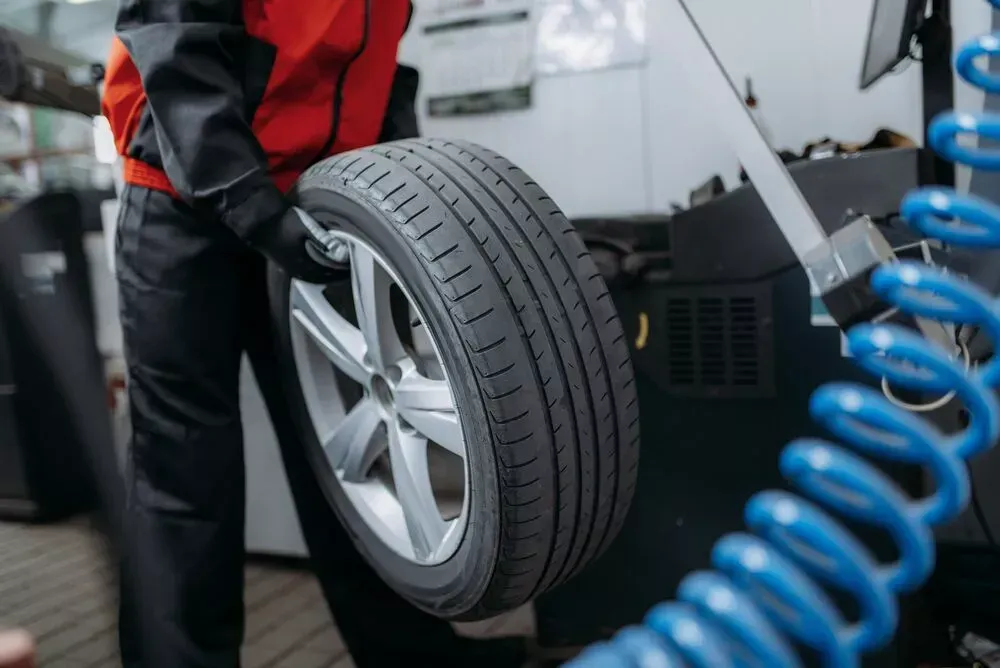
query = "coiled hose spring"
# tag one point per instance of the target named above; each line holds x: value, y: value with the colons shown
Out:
x: 767, y: 586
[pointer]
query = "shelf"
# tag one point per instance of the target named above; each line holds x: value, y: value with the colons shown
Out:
x: 47, y: 153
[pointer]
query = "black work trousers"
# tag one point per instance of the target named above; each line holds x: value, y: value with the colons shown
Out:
x: 193, y: 300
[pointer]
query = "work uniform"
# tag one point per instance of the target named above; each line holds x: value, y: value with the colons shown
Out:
x: 217, y: 106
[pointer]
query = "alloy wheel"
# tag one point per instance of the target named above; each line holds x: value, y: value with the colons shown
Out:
x: 382, y: 406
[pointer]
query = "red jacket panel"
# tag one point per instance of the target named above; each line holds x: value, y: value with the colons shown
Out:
x: 207, y: 99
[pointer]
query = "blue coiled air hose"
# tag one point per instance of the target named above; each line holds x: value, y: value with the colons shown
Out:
x: 767, y: 588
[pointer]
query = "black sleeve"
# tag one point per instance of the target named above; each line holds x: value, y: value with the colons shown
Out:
x: 400, y: 120
x: 190, y: 55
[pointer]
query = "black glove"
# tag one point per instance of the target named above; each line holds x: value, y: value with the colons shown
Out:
x: 296, y: 243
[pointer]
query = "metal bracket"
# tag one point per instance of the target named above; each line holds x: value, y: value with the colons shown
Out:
x: 840, y: 271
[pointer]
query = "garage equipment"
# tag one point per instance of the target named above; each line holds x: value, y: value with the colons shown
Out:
x: 41, y: 472
x: 765, y: 593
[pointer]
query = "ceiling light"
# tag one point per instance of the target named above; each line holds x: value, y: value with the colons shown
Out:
x: 79, y: 2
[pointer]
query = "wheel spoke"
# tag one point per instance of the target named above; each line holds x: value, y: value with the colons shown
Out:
x: 356, y: 443
x: 408, y: 404
x: 429, y: 408
x: 422, y: 344
x: 371, y: 285
x: 342, y: 343
x: 411, y: 477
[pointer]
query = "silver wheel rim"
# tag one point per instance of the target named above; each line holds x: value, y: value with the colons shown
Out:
x: 399, y: 452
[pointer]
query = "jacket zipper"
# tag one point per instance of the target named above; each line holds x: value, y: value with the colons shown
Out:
x: 338, y: 93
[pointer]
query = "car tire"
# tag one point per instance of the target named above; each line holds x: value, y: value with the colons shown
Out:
x: 531, y: 347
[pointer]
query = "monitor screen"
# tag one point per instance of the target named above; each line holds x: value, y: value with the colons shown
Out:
x: 890, y: 33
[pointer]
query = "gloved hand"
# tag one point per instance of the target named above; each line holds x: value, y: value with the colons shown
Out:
x: 299, y: 245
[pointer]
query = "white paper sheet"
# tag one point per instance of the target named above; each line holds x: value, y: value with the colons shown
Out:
x: 586, y: 35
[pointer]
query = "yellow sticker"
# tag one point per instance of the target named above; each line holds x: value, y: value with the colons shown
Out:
x: 640, y: 340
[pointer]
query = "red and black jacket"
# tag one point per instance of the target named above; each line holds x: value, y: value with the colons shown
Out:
x: 219, y: 101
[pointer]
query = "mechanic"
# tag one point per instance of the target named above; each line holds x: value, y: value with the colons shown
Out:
x: 217, y: 106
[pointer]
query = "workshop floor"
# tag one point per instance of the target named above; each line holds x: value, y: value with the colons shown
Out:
x: 54, y: 583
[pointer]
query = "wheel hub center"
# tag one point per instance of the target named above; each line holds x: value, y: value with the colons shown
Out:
x: 382, y: 393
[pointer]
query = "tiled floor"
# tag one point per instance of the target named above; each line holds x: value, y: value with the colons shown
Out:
x: 54, y: 583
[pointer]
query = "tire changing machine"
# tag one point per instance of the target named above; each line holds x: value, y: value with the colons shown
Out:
x: 727, y: 344
x: 729, y: 341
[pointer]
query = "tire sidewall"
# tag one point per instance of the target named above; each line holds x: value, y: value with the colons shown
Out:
x: 458, y: 584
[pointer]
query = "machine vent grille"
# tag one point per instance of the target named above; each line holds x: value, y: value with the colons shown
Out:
x: 719, y: 342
